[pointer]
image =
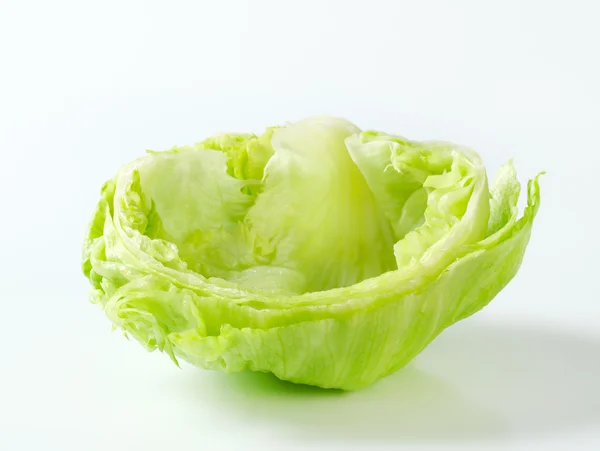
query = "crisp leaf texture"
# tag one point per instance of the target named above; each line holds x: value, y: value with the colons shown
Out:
x: 323, y: 254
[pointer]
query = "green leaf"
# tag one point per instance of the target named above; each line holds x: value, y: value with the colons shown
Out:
x: 318, y: 252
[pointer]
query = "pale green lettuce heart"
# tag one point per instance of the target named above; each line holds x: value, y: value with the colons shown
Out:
x: 320, y: 253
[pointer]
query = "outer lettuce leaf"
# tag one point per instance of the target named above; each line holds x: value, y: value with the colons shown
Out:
x: 351, y: 349
x: 319, y: 253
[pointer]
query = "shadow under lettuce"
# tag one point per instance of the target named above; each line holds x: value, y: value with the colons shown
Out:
x: 477, y: 382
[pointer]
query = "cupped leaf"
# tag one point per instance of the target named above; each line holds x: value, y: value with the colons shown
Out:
x: 318, y: 252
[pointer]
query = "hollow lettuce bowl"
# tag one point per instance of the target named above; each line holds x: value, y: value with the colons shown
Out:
x: 326, y: 255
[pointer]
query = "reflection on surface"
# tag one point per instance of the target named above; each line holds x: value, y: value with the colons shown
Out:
x: 476, y: 382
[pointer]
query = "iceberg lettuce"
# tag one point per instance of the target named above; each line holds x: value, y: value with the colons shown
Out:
x: 321, y: 253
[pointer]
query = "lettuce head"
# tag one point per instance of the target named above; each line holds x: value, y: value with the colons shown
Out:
x: 318, y: 252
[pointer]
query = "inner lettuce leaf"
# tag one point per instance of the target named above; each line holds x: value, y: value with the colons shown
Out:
x: 321, y: 253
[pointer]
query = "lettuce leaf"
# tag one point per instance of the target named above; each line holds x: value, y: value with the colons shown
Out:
x: 323, y: 254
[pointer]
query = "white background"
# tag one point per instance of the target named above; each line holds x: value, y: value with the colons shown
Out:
x: 87, y: 86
